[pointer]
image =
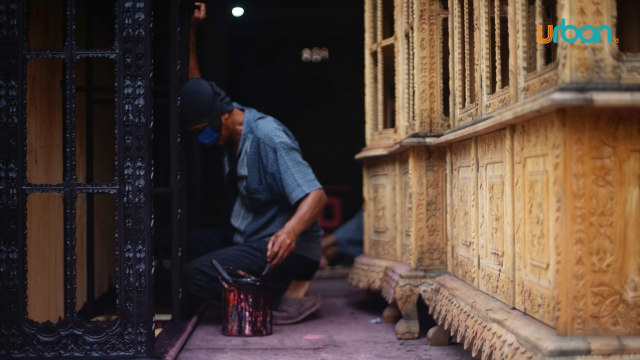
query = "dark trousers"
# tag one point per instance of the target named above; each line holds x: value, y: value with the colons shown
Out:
x: 208, y: 244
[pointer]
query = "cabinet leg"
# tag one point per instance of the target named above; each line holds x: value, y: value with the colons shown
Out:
x: 437, y: 336
x: 391, y: 314
x: 408, y: 327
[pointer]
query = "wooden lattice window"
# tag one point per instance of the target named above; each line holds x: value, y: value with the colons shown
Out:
x: 464, y: 32
x: 383, y: 57
x: 498, y: 49
x: 544, y: 13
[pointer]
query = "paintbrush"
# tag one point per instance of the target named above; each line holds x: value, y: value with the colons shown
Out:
x: 266, y: 270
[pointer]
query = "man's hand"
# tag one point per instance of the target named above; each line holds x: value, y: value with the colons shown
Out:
x: 283, y: 242
x: 280, y: 245
x: 199, y: 14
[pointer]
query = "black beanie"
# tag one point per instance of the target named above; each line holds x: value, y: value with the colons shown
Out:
x: 202, y: 101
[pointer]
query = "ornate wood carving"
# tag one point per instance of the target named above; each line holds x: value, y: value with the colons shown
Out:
x: 591, y: 61
x: 407, y: 214
x: 431, y: 79
x: 464, y: 211
x: 367, y: 272
x: 479, y: 335
x: 538, y: 204
x: 466, y: 55
x: 406, y: 65
x: 457, y: 55
x: 541, y: 81
x: 603, y: 208
x: 370, y: 102
x: 399, y: 291
x: 493, y: 330
x: 540, y: 213
x: 11, y: 176
x: 403, y: 286
x: 426, y: 38
x: 418, y: 184
x: 495, y: 217
x: 381, y: 206
x: 497, y: 92
x: 431, y: 239
x: 498, y: 101
x: 130, y: 335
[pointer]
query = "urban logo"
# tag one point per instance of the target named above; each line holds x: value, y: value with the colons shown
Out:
x: 554, y: 34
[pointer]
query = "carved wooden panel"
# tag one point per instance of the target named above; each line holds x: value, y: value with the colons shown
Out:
x: 538, y: 210
x: 406, y: 213
x: 380, y: 207
x: 431, y: 231
x: 495, y: 215
x: 540, y: 81
x: 432, y: 57
x: 603, y: 207
x: 464, y: 211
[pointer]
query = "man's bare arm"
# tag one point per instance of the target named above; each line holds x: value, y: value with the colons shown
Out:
x: 283, y: 242
x: 199, y: 14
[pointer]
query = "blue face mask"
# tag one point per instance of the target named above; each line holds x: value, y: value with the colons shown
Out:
x: 208, y: 137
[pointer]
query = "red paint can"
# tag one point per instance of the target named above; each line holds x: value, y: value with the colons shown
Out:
x: 246, y: 304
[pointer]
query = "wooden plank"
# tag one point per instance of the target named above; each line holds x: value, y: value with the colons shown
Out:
x: 45, y: 257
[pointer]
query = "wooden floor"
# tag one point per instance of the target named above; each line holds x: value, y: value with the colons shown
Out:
x: 345, y: 327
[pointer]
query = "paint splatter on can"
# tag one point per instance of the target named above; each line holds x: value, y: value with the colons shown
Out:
x: 246, y: 305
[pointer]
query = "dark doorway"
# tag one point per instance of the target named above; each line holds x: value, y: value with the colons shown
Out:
x: 259, y: 59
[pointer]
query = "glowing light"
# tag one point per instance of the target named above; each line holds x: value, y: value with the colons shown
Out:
x: 237, y: 11
x: 315, y: 55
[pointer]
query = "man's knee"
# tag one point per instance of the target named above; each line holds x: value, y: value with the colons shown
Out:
x: 201, y: 279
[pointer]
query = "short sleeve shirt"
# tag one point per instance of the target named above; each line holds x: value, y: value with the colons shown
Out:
x: 272, y: 178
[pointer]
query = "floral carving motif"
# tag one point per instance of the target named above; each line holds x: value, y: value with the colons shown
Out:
x: 541, y: 82
x: 499, y: 102
x: 536, y: 242
x: 436, y: 251
x: 465, y: 268
x: 407, y: 215
x: 604, y: 296
x: 608, y: 308
x: 463, y: 221
x: 536, y: 198
x: 380, y: 207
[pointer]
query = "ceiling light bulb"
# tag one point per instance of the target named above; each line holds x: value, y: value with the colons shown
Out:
x: 237, y: 11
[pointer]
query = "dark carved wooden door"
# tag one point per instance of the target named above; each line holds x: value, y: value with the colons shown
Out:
x: 75, y: 179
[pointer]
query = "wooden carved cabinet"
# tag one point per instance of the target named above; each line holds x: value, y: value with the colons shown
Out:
x: 506, y: 197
